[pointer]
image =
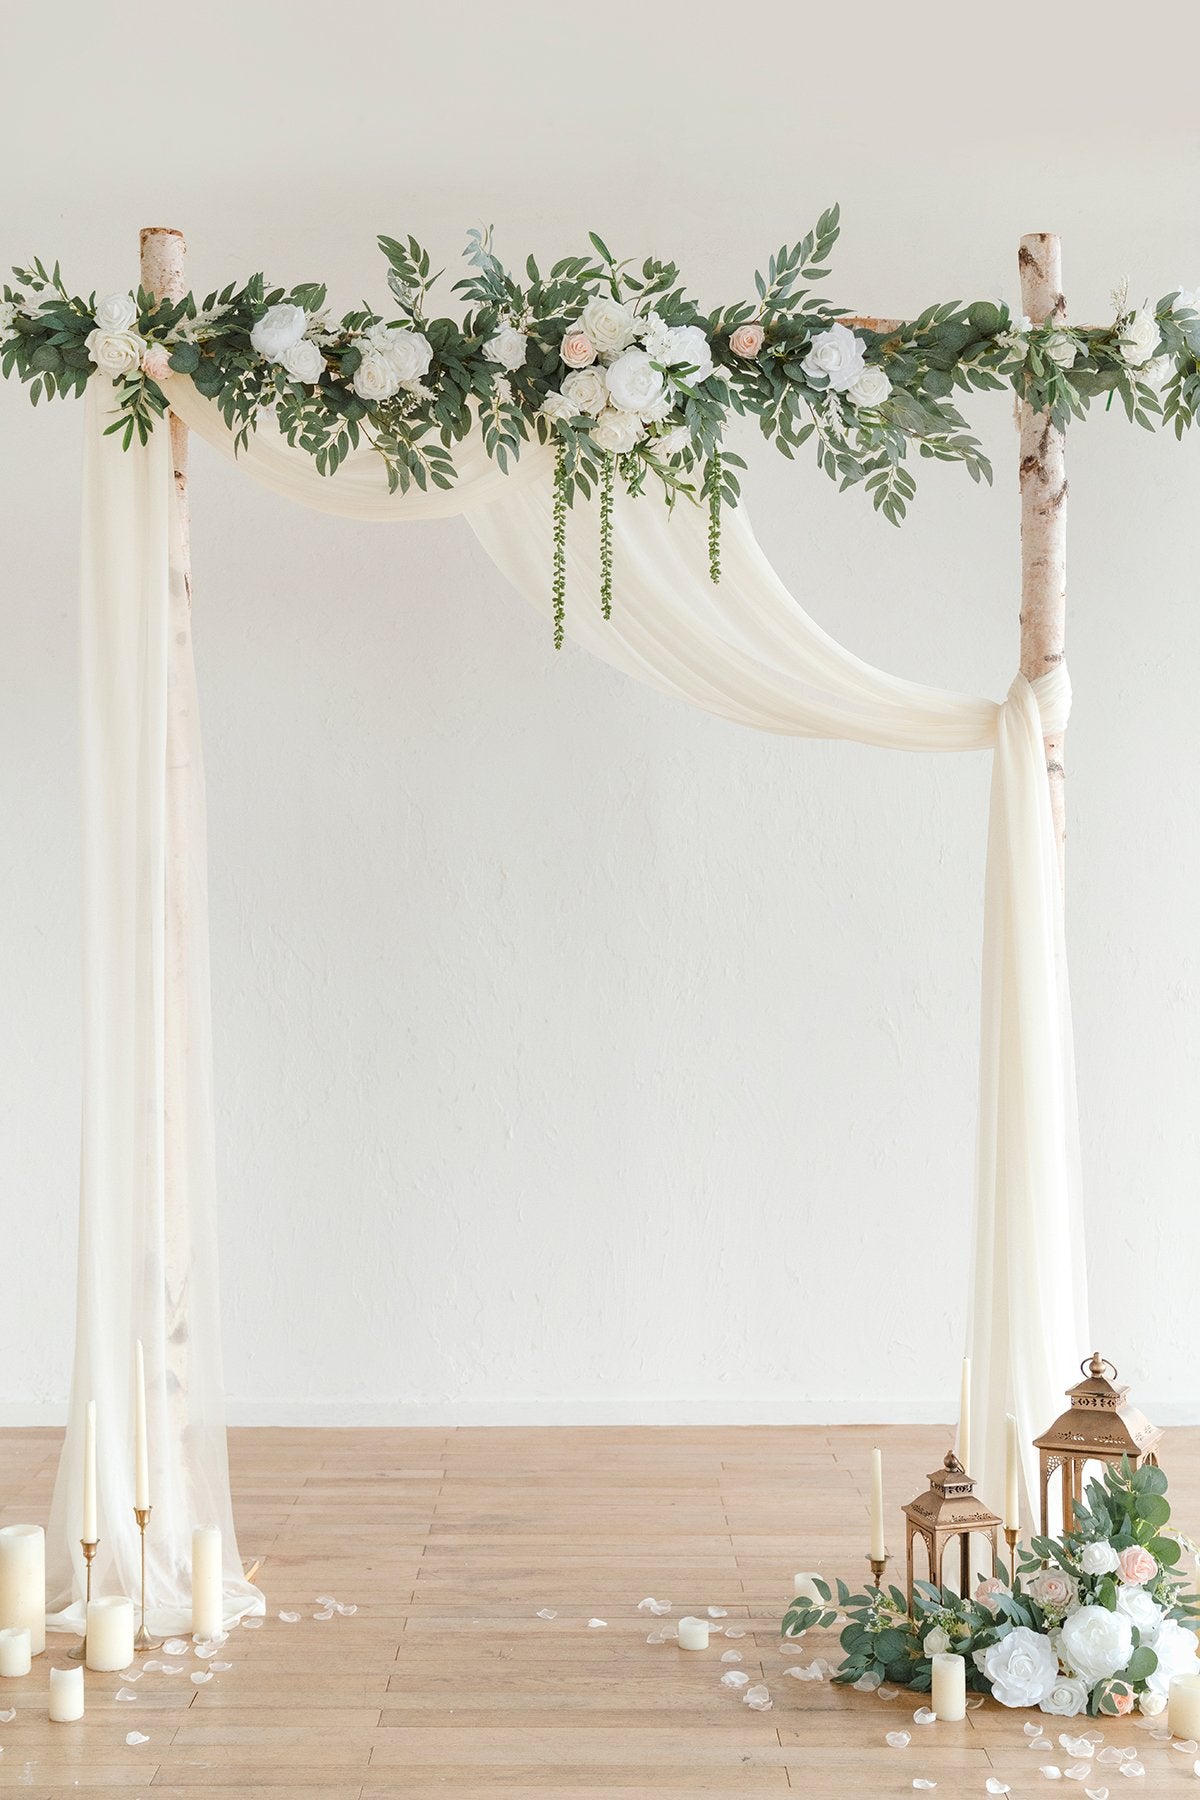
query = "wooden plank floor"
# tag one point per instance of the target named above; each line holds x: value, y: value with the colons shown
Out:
x: 445, y: 1682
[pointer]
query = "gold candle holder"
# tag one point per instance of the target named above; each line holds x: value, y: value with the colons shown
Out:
x: 89, y: 1548
x: 143, y: 1640
x: 878, y: 1565
x: 1011, y: 1534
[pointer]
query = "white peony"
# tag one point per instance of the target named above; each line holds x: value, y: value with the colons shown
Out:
x: 609, y: 325
x: 634, y: 384
x: 116, y: 353
x: 409, y: 352
x: 1096, y: 1643
x: 1139, y: 340
x: 1139, y: 1609
x: 508, y: 347
x: 617, y: 431
x: 936, y: 1642
x: 673, y: 442
x: 375, y: 378
x: 837, y: 355
x: 1068, y: 1696
x: 116, y: 312
x: 559, y: 406
x: 588, y: 388
x: 1176, y: 1650
x: 1098, y: 1559
x: 681, y: 346
x: 1157, y: 373
x: 279, y: 328
x: 303, y: 361
x: 1021, y: 1667
x: 871, y: 388
x: 1062, y: 349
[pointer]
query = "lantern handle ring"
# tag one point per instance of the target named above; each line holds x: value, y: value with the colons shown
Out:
x: 1096, y: 1365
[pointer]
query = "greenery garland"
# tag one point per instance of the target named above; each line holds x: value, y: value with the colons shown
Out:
x: 1120, y: 1532
x: 613, y: 362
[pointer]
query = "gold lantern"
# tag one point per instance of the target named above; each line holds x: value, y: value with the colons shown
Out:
x: 948, y: 1511
x: 1098, y: 1426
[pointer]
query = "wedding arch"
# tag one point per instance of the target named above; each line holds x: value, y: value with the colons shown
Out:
x: 560, y: 394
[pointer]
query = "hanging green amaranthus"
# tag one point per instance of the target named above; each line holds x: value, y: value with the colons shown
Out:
x: 560, y: 544
x: 607, y: 479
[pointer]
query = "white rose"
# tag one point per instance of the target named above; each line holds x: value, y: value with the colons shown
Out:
x: 673, y: 442
x: 1097, y: 1643
x: 1062, y: 349
x: 1098, y: 1559
x: 683, y: 346
x: 837, y: 355
x: 871, y: 388
x: 116, y: 352
x: 279, y: 328
x: 375, y: 377
x: 588, y: 388
x: 936, y: 1642
x: 1157, y: 373
x: 1152, y: 1703
x: 303, y: 361
x: 1068, y: 1696
x: 409, y: 352
x: 1053, y: 1589
x: 1139, y: 1609
x: 634, y: 384
x: 116, y: 312
x: 1175, y: 1647
x: 559, y: 406
x: 609, y: 325
x: 508, y: 347
x: 1022, y: 1668
x: 1187, y: 300
x: 617, y: 431
x: 1139, y: 340
x: 8, y: 312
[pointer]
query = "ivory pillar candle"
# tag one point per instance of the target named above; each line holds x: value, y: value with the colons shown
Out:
x: 1012, y: 1476
x: 878, y: 1547
x: 207, y: 1586
x: 1183, y: 1706
x: 109, y: 1633
x: 23, y: 1581
x: 15, y: 1655
x: 89, y: 1532
x: 66, y: 1695
x: 964, y: 1416
x: 141, y: 1449
x: 949, y: 1696
x: 693, y: 1634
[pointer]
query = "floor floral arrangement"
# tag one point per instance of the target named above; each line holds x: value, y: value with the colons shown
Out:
x: 1097, y: 1621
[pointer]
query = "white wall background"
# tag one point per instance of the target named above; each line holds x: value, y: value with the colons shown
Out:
x: 581, y: 1057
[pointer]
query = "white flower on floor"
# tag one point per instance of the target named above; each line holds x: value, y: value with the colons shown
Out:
x: 116, y: 353
x: 303, y: 361
x: 837, y: 355
x: 588, y: 388
x: 609, y: 324
x: 508, y: 347
x: 871, y: 388
x: 1067, y: 1697
x: 1096, y: 1642
x: 1176, y: 1649
x: 279, y: 328
x: 617, y: 431
x: 1022, y: 1668
x: 116, y: 312
x: 1140, y: 339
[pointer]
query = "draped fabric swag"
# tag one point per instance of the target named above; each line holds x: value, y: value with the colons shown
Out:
x: 745, y: 650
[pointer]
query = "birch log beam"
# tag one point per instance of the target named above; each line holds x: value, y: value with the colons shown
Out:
x: 1044, y: 514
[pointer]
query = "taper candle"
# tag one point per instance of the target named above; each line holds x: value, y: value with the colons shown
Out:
x: 949, y: 1696
x: 23, y: 1581
x: 1183, y: 1707
x: 878, y: 1547
x: 964, y: 1416
x: 693, y: 1634
x: 207, y: 1583
x: 89, y: 1532
x: 1012, y: 1476
x: 66, y: 1695
x: 109, y: 1633
x: 141, y: 1453
x: 15, y: 1655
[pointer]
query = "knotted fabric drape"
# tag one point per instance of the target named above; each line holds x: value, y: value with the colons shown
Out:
x: 745, y: 650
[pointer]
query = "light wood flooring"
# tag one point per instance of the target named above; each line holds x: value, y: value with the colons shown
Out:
x: 445, y: 1682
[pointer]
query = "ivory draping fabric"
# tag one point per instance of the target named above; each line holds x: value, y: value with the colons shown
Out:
x: 745, y: 650
x: 148, y: 1224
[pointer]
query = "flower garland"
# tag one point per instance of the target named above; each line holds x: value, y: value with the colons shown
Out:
x: 1092, y: 1622
x: 612, y: 362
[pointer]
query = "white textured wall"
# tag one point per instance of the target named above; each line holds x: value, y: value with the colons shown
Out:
x: 579, y: 1056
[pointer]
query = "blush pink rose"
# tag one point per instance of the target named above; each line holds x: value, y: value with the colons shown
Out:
x: 577, y: 350
x: 747, y: 340
x: 156, y: 362
x: 1136, y: 1566
x: 1122, y: 1700
x: 987, y: 1590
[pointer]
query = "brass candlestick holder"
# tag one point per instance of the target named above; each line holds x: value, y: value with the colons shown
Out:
x: 143, y: 1639
x: 878, y: 1565
x: 1011, y: 1534
x: 89, y: 1548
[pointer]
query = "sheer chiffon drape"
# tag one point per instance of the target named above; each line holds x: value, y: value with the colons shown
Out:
x: 745, y: 650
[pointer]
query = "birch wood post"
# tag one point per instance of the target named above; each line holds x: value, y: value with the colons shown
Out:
x: 1044, y: 514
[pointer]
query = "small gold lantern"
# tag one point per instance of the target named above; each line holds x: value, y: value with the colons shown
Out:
x: 1099, y: 1426
x: 949, y: 1510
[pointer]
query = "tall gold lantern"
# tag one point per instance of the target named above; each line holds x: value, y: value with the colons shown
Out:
x: 946, y: 1512
x: 1098, y: 1426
